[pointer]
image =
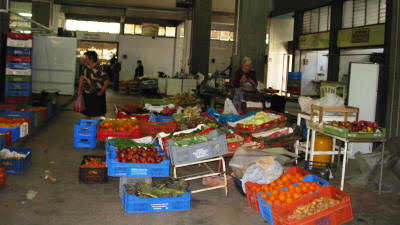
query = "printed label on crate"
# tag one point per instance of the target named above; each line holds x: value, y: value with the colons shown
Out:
x: 160, y: 206
x: 200, y: 153
x: 137, y: 171
x: 323, y: 221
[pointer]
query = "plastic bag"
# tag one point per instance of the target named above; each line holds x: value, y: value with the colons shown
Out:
x: 256, y: 174
x: 79, y: 104
x: 229, y: 108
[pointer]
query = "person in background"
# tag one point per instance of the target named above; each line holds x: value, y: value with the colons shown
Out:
x: 243, y: 75
x: 115, y: 68
x: 93, y: 83
x: 139, y: 71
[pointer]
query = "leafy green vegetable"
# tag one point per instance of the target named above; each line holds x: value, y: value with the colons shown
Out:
x: 192, y: 140
x: 168, y: 188
x: 122, y: 143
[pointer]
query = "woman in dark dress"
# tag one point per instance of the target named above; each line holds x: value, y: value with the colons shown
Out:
x: 243, y: 75
x: 92, y: 86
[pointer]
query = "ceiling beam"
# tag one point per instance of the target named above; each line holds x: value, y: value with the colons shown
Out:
x: 143, y: 13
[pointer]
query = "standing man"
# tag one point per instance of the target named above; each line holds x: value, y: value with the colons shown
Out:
x: 243, y: 75
x: 139, y: 71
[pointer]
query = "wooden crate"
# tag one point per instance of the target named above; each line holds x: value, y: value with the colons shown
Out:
x: 346, y: 110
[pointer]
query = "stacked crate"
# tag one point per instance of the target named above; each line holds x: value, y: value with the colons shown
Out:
x: 85, y: 134
x: 294, y: 83
x: 18, y: 84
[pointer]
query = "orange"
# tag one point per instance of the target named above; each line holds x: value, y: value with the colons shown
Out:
x: 272, y: 198
x: 297, y: 189
x: 317, y: 188
x: 282, y: 198
x: 312, y: 188
x: 275, y: 192
x: 291, y: 187
x: 296, y: 196
x: 308, y: 183
x: 279, y: 182
x: 270, y: 202
x: 258, y: 189
x: 289, y: 200
x: 263, y: 195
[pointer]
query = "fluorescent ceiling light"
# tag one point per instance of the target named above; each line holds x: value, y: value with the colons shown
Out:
x: 25, y: 14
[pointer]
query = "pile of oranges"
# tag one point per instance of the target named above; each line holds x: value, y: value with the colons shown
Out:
x: 283, y: 181
x: 119, y: 125
x: 283, y: 197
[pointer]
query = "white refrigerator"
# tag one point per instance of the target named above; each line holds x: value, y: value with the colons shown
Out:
x: 363, y: 90
x: 54, y: 64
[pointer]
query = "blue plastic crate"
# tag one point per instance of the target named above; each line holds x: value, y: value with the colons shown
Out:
x: 160, y: 119
x: 19, y: 65
x: 294, y: 75
x: 17, y: 166
x: 88, y: 122
x: 133, y: 204
x: 15, y: 132
x: 2, y: 141
x: 85, y: 131
x: 19, y: 51
x: 265, y: 208
x: 118, y: 169
x: 18, y: 114
x: 84, y: 142
x: 16, y: 89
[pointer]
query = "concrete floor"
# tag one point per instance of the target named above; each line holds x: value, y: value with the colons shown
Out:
x: 69, y: 202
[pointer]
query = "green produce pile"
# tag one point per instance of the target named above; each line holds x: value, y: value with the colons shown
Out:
x: 192, y: 122
x: 123, y: 143
x: 192, y: 140
x: 258, y: 119
x: 167, y: 188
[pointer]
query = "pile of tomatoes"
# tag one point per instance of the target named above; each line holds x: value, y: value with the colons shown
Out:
x: 283, y: 197
x: 119, y: 125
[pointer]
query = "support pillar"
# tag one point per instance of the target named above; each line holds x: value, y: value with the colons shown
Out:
x: 298, y: 29
x: 334, y: 51
x: 251, y: 27
x: 4, y: 27
x: 392, y: 60
x: 200, y: 45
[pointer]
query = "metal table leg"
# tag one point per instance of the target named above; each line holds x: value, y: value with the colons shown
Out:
x: 312, y: 145
x: 344, y: 165
x: 307, y: 143
x: 381, y: 172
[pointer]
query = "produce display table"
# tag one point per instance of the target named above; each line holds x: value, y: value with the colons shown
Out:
x: 210, y: 173
x: 347, y: 141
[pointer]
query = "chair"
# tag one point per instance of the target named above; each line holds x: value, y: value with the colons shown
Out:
x: 324, y: 90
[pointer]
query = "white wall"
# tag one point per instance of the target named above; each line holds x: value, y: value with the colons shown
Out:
x: 221, y: 52
x: 281, y: 31
x: 156, y: 55
x: 312, y: 63
x: 346, y: 57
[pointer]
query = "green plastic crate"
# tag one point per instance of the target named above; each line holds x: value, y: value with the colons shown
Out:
x: 294, y: 82
x: 10, y: 78
x: 346, y: 133
x: 37, y: 119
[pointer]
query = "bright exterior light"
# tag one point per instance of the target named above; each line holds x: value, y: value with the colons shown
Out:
x: 25, y: 14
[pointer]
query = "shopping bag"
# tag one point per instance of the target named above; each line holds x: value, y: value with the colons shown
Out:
x: 79, y: 104
x: 229, y: 108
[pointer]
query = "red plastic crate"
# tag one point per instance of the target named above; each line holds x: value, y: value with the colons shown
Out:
x: 253, y: 128
x: 19, y: 36
x: 232, y: 146
x: 11, y: 58
x: 103, y: 134
x: 7, y: 138
x: 153, y: 128
x: 339, y: 214
x: 252, y: 198
x: 14, y: 100
x: 123, y: 115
